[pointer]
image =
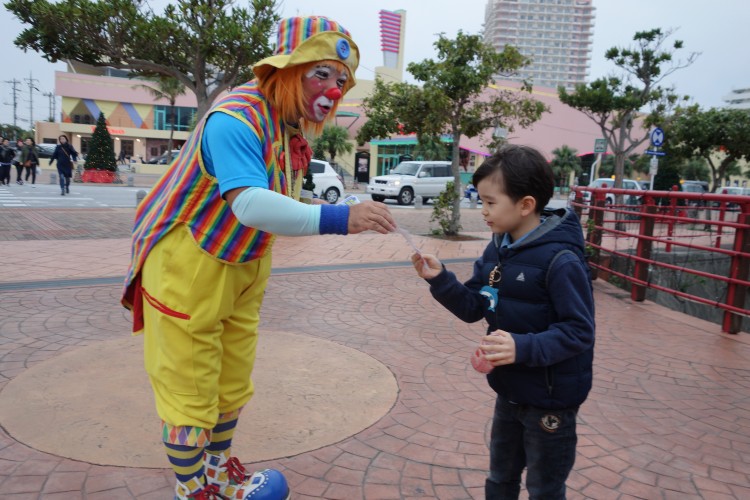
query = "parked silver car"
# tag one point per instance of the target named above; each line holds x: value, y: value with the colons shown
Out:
x: 607, y: 182
x: 409, y: 179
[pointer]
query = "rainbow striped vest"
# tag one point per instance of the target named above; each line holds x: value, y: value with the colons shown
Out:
x: 187, y: 194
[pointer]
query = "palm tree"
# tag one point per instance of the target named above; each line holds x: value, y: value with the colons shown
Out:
x: 564, y: 162
x: 335, y: 140
x: 168, y: 89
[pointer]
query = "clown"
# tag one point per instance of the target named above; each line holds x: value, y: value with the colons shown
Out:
x: 201, y: 253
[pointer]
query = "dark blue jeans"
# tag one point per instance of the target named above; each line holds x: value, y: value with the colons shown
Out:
x: 543, y: 441
x: 64, y: 178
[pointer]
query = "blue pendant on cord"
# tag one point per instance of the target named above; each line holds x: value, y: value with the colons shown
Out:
x: 491, y: 295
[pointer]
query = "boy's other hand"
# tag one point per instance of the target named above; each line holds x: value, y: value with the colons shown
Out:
x: 427, y: 265
x: 370, y: 215
x: 499, y: 348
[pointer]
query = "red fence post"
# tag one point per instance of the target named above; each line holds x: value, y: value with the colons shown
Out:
x: 578, y: 205
x: 739, y: 270
x: 670, y: 222
x: 720, y: 228
x: 594, y: 236
x: 643, y: 250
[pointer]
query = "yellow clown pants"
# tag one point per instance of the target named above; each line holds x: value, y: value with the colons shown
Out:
x: 201, y: 328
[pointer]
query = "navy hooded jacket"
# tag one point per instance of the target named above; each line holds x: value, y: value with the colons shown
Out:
x: 545, y: 301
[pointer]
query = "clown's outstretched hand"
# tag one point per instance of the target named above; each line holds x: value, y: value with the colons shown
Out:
x: 370, y: 216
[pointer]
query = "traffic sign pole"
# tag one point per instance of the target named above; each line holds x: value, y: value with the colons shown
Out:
x: 657, y: 140
x: 600, y: 146
x: 654, y: 164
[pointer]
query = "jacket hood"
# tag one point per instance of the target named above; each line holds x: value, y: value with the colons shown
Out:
x: 562, y: 221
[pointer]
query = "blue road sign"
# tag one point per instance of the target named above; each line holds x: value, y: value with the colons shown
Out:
x: 657, y: 137
x: 655, y: 153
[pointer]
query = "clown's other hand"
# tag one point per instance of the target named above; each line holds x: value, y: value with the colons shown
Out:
x: 370, y: 215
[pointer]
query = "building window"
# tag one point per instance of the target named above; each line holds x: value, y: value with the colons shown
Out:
x: 126, y: 145
x: 182, y: 119
x: 85, y: 119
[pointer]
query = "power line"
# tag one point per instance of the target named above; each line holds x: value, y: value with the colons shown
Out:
x: 32, y: 87
x: 51, y: 96
x: 15, y: 91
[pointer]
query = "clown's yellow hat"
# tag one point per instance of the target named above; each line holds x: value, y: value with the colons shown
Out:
x: 306, y: 39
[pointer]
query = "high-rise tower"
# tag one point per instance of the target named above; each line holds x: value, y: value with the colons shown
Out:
x: 555, y: 34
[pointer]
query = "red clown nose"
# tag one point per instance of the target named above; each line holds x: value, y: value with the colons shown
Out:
x: 333, y: 94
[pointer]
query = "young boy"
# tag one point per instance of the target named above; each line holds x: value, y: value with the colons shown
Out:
x: 532, y: 287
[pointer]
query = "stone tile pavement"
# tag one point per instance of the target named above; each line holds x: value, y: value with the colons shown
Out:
x: 668, y: 417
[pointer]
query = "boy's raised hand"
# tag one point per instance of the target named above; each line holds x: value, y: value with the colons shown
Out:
x: 427, y: 265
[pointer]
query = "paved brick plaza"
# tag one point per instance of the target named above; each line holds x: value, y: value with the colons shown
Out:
x: 668, y: 416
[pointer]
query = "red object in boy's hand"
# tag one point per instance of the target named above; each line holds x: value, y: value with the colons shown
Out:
x: 479, y: 362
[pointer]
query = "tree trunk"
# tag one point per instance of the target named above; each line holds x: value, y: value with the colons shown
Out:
x: 619, y: 175
x: 171, y: 132
x: 206, y: 99
x: 456, y: 169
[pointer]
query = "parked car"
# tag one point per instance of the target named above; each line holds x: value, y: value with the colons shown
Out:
x: 165, y: 158
x: 607, y: 182
x: 409, y: 179
x: 734, y: 191
x: 44, y: 150
x: 329, y: 185
x: 470, y: 190
x: 696, y: 187
x: 692, y: 186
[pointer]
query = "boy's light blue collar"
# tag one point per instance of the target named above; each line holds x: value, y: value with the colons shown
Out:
x: 507, y: 243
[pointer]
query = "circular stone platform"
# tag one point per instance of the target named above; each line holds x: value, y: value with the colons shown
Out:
x: 95, y: 404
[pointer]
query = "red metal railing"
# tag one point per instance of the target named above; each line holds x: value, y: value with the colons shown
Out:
x: 701, y: 227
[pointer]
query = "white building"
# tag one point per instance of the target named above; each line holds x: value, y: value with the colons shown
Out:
x: 738, y: 99
x: 555, y: 34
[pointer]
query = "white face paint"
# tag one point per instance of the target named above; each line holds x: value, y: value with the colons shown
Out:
x: 316, y: 82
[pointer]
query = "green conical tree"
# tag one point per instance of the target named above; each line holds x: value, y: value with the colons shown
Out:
x: 101, y: 155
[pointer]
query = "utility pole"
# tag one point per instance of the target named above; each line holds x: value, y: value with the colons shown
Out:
x: 51, y: 96
x: 32, y: 87
x: 15, y: 84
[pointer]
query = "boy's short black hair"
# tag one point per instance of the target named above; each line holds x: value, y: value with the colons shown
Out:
x: 523, y: 171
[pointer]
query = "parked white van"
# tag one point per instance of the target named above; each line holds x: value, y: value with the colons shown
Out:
x: 328, y: 184
x: 409, y: 179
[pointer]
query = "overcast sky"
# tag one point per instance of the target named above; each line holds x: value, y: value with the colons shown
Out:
x: 717, y: 29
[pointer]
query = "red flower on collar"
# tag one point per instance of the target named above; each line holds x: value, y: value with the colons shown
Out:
x: 300, y: 152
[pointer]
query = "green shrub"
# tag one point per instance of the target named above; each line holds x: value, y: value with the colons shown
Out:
x: 444, y: 210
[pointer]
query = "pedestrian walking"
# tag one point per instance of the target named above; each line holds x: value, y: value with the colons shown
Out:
x: 65, y: 155
x: 17, y: 161
x: 30, y: 159
x: 6, y: 160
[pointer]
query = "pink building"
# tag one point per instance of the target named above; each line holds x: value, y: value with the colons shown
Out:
x: 139, y: 124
